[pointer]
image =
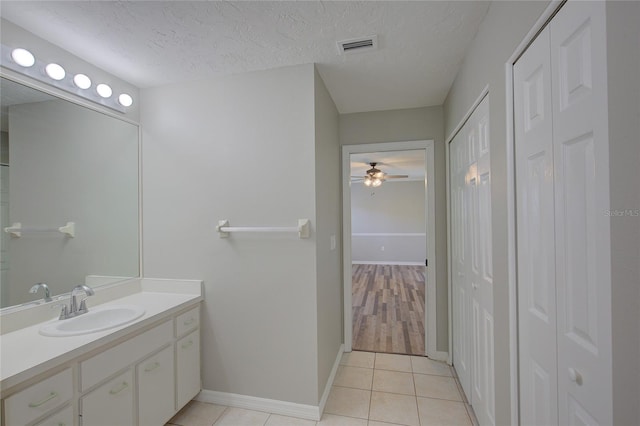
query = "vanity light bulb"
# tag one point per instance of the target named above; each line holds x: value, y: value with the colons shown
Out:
x: 55, y: 71
x: 82, y: 81
x: 104, y: 90
x: 23, y: 57
x: 125, y: 100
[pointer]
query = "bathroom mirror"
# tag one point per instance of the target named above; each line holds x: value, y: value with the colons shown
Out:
x: 61, y: 163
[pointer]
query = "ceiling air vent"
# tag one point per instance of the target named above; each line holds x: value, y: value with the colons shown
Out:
x: 362, y: 44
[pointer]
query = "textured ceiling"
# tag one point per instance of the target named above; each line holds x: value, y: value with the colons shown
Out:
x: 149, y: 43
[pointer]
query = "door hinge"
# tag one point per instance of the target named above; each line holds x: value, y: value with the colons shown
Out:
x: 426, y: 262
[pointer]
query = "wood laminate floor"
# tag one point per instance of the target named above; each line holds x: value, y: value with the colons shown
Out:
x: 388, y: 308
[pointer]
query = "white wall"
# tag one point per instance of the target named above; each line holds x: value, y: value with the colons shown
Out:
x: 503, y: 28
x: 623, y: 61
x: 408, y: 125
x: 388, y: 223
x: 243, y: 148
x: 71, y: 164
x: 328, y: 224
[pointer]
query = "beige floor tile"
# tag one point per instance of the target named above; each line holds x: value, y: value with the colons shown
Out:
x: 348, y: 402
x: 358, y: 359
x: 198, y: 413
x: 394, y: 408
x: 277, y: 420
x: 393, y: 362
x: 354, y: 377
x: 333, y: 420
x: 438, y: 412
x: 436, y: 387
x: 242, y: 417
x: 424, y: 365
x: 393, y: 382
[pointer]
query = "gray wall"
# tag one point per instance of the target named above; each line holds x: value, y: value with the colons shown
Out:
x: 243, y: 148
x: 623, y: 60
x: 503, y: 28
x: 395, y: 212
x: 406, y: 125
x: 328, y: 224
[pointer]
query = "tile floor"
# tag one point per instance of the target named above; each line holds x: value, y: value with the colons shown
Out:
x: 369, y: 390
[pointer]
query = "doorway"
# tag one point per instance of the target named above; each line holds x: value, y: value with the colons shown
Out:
x: 389, y: 234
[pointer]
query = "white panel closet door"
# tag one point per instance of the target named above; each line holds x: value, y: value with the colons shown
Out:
x: 536, y: 234
x: 472, y: 262
x: 581, y: 158
x: 562, y: 173
x: 461, y: 287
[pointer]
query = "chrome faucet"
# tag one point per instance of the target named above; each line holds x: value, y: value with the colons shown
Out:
x: 47, y: 293
x: 73, y: 307
x: 73, y: 310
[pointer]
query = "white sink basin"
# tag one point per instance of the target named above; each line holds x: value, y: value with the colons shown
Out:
x: 97, y: 319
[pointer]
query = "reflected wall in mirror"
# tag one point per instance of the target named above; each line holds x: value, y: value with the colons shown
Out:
x: 62, y: 162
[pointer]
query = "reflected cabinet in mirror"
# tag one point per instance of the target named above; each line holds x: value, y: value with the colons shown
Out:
x: 61, y: 163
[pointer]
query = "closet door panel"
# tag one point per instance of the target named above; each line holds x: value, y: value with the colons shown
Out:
x: 536, y: 240
x: 580, y: 138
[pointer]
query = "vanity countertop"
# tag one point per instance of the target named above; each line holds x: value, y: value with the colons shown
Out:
x: 25, y: 353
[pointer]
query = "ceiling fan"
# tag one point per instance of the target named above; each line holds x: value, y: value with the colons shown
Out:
x: 374, y: 176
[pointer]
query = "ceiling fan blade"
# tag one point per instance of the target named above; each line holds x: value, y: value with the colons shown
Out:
x: 396, y: 176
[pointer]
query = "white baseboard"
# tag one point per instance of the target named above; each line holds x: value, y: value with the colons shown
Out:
x: 332, y: 376
x: 386, y: 262
x: 440, y: 356
x: 274, y: 406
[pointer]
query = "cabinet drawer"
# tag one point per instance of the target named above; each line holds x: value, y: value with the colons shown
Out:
x: 63, y: 417
x: 103, y: 365
x: 187, y: 321
x: 34, y: 401
x: 156, y: 388
x: 110, y: 404
x: 187, y: 368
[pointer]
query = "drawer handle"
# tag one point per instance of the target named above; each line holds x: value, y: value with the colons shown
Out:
x: 119, y: 389
x: 52, y: 395
x: 186, y: 345
x: 152, y: 367
x: 189, y: 321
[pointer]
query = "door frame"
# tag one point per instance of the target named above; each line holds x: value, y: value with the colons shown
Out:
x: 430, y: 288
x: 539, y: 25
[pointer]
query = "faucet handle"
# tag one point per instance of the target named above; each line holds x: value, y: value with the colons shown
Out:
x: 83, y: 306
x: 64, y: 313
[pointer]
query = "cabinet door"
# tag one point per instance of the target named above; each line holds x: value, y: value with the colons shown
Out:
x: 63, y: 417
x: 156, y: 388
x: 187, y: 368
x: 110, y: 404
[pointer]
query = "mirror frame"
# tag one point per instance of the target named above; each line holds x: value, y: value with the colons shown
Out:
x: 60, y: 94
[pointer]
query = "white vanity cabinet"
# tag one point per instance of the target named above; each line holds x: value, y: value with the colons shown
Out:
x: 111, y: 403
x: 39, y: 399
x: 188, y: 382
x: 141, y: 378
x: 156, y: 388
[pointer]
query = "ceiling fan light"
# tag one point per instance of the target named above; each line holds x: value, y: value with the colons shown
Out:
x: 368, y: 181
x: 376, y: 182
x: 378, y: 175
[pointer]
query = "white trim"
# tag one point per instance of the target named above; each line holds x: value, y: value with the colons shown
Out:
x: 385, y: 262
x: 332, y: 376
x: 274, y: 406
x: 389, y: 234
x: 542, y: 21
x: 266, y: 405
x: 430, y: 293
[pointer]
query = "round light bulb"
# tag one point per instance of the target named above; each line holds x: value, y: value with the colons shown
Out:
x: 104, y: 90
x: 23, y: 57
x: 82, y: 81
x: 125, y: 100
x: 376, y: 183
x: 55, y: 71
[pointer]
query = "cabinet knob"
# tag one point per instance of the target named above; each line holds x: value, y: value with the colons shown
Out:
x: 574, y: 376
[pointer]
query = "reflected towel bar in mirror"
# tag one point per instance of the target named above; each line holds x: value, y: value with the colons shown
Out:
x: 16, y: 230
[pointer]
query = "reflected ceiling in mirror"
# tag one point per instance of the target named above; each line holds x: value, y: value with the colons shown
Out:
x: 62, y: 163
